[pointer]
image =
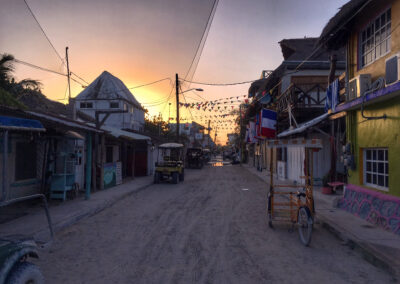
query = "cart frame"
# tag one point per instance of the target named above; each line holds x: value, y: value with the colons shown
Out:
x: 296, y: 211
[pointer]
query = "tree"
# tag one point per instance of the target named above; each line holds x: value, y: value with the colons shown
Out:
x: 6, y: 68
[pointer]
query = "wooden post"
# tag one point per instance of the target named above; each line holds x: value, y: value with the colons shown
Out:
x: 102, y: 148
x: 5, y: 167
x: 95, y: 158
x: 88, y: 164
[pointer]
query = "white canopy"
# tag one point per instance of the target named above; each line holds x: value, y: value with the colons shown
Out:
x: 171, y: 145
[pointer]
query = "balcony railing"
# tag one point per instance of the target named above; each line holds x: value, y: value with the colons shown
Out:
x: 342, y: 87
x: 302, y: 96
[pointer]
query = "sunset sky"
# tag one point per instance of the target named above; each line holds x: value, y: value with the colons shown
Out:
x: 140, y: 41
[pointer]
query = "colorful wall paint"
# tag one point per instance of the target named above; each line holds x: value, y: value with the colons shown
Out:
x: 385, y: 133
x: 379, y: 209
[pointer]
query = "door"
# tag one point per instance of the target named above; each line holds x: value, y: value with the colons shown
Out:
x: 140, y: 163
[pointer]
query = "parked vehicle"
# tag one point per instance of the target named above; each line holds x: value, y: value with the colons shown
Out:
x: 207, y: 155
x: 16, y: 251
x: 170, y: 163
x: 195, y: 158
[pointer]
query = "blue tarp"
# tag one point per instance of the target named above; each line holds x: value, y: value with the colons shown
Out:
x: 7, y: 122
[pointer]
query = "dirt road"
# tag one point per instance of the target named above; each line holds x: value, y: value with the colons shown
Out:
x: 208, y: 229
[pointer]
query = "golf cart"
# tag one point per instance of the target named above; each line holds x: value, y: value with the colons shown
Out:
x: 207, y: 155
x: 15, y: 251
x: 169, y: 163
x: 194, y: 158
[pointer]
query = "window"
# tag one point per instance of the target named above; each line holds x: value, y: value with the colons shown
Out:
x: 376, y: 168
x: 281, y: 154
x: 375, y: 39
x: 114, y: 104
x: 25, y: 160
x: 86, y: 105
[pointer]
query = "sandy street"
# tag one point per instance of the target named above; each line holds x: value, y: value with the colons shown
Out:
x: 207, y: 229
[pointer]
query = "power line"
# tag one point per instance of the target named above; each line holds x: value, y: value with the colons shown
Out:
x: 38, y: 67
x: 220, y: 84
x: 204, y: 36
x: 83, y: 80
x: 150, y: 83
x: 33, y: 15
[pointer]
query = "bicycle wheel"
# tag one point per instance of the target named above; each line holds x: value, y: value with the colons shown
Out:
x: 305, y: 224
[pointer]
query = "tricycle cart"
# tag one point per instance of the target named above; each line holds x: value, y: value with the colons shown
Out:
x: 294, y: 203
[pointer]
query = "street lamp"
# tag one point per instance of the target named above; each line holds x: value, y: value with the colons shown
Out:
x: 193, y: 89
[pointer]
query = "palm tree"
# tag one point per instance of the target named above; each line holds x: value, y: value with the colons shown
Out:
x: 6, y: 68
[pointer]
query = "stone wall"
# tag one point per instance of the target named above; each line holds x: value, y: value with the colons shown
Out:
x: 380, y: 209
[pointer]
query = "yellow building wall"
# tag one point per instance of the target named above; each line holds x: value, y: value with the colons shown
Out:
x: 377, y: 68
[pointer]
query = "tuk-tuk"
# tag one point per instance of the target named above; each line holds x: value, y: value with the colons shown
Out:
x: 170, y: 163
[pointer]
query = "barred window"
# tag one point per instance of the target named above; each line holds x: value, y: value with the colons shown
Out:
x: 376, y: 168
x: 375, y: 39
x: 86, y: 105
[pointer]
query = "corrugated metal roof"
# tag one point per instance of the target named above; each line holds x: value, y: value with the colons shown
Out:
x: 303, y: 126
x: 118, y: 133
x: 63, y: 121
x: 15, y: 123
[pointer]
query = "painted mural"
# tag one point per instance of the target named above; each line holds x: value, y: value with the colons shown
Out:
x: 375, y: 207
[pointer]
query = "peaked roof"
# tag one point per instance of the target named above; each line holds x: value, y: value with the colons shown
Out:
x: 107, y: 86
x: 298, y: 49
x: 336, y: 31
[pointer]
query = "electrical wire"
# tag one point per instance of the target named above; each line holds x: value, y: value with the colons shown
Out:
x: 37, y: 67
x: 83, y: 80
x: 220, y: 84
x: 136, y: 87
x: 199, y: 49
x: 33, y: 15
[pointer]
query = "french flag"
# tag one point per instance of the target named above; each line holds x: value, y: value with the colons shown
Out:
x: 268, y: 123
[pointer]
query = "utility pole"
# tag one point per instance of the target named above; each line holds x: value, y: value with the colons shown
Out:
x: 215, y: 136
x: 72, y: 104
x: 209, y: 133
x: 177, y: 106
x: 240, y: 135
x: 169, y: 113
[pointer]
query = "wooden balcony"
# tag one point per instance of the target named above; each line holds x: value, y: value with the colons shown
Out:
x: 342, y: 87
x: 304, y: 96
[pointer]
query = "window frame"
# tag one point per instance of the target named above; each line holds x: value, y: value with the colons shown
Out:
x: 375, y: 161
x: 386, y: 28
x: 86, y: 105
x: 114, y: 105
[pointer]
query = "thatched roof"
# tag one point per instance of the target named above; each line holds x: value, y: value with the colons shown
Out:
x: 336, y: 31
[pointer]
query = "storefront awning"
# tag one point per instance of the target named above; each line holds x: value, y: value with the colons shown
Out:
x: 22, y: 124
x: 304, y: 126
x: 118, y: 133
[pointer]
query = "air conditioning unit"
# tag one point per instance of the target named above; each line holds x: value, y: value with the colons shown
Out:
x: 358, y: 86
x: 392, y: 69
x: 281, y: 170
